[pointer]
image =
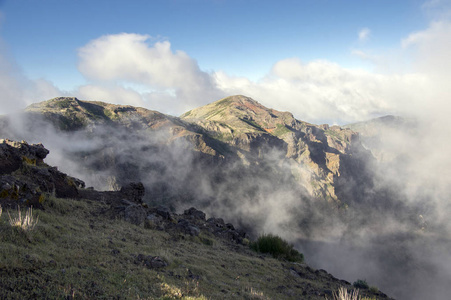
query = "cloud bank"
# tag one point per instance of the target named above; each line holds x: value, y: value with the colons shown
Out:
x: 173, y: 80
x: 133, y: 69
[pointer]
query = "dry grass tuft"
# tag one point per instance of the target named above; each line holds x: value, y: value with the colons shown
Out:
x: 27, y: 223
x: 343, y: 294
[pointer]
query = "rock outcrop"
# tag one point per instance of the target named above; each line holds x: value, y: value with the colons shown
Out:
x: 27, y: 180
x: 24, y: 177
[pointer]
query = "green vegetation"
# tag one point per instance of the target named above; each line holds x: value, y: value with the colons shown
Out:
x: 344, y: 294
x: 224, y: 137
x: 223, y: 102
x: 277, y: 247
x: 29, y: 161
x: 186, y: 114
x: 361, y: 284
x: 66, y: 103
x: 280, y: 130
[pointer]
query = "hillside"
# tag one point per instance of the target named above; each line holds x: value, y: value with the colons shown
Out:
x: 90, y: 244
x: 260, y: 169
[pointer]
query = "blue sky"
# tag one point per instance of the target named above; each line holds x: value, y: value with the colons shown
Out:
x: 222, y: 46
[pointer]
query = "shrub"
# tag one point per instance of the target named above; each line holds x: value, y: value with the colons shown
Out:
x: 26, y: 223
x: 361, y: 284
x: 277, y: 247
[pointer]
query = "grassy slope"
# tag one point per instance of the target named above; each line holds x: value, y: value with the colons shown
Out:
x: 77, y: 252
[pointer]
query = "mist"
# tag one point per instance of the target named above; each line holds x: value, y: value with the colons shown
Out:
x: 395, y: 232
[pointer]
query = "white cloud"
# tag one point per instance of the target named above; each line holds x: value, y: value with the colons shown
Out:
x: 129, y: 58
x: 321, y: 91
x: 317, y: 91
x: 114, y: 95
x: 432, y: 48
x: 16, y: 90
x: 364, y: 34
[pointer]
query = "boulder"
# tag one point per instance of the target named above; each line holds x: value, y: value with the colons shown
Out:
x: 153, y: 221
x: 135, y: 214
x: 188, y: 228
x: 194, y: 213
x: 134, y: 191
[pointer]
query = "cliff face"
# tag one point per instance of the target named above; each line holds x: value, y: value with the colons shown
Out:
x: 319, y: 156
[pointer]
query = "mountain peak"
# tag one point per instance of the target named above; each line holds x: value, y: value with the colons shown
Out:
x: 240, y: 113
x: 225, y: 108
x: 70, y: 113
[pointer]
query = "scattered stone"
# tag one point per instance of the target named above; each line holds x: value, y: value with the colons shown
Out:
x: 151, y: 262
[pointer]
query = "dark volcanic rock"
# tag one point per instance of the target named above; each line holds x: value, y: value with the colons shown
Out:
x: 24, y: 176
x: 133, y: 191
x: 135, y: 214
x: 195, y: 214
x: 13, y: 154
x: 188, y: 228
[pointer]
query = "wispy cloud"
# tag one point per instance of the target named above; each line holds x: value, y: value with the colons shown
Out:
x: 364, y: 34
x: 16, y: 90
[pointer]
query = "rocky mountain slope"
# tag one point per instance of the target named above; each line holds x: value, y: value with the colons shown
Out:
x: 91, y: 244
x: 262, y: 170
x: 235, y: 129
x: 234, y: 148
x: 318, y: 155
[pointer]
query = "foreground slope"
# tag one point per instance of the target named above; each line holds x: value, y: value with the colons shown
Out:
x: 92, y: 244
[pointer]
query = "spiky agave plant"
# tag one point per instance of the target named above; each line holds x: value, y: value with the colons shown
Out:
x: 27, y: 223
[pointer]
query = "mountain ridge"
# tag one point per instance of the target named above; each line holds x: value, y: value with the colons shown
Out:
x: 304, y: 182
x: 235, y: 126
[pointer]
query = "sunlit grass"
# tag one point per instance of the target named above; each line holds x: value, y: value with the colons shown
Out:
x: 343, y: 294
x: 26, y: 223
